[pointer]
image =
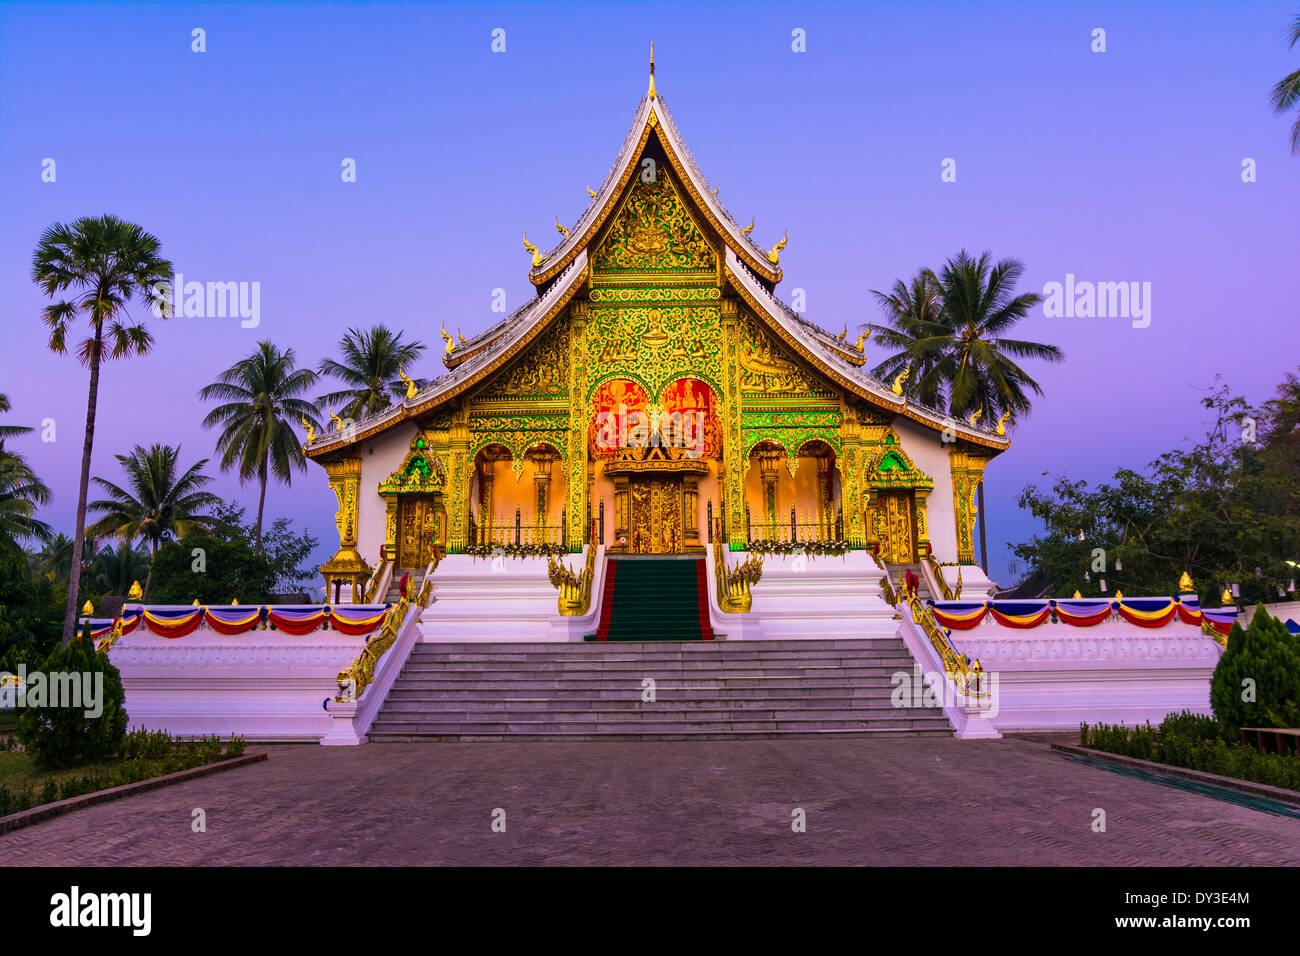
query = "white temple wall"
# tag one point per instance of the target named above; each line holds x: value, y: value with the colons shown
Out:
x: 930, y: 455
x: 380, y: 457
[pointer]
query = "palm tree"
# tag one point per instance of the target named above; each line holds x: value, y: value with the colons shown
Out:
x: 971, y: 363
x: 1286, y: 94
x: 159, y: 505
x: 914, y: 312
x: 55, y: 559
x: 20, y: 492
x: 259, y: 413
x: 104, y: 263
x: 371, y: 367
x: 114, y: 570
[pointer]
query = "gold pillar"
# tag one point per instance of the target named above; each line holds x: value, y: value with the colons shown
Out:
x: 579, y: 415
x: 390, y: 529
x: 967, y: 472
x: 347, y: 565
x: 458, y: 483
x: 731, y: 473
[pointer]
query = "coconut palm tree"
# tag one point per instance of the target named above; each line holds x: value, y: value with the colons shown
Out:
x: 971, y: 364
x: 914, y: 312
x: 1285, y: 95
x: 160, y: 504
x: 373, y: 361
x: 258, y: 417
x: 20, y: 493
x: 102, y: 264
x: 114, y: 570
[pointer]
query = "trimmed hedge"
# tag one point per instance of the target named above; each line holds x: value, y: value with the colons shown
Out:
x: 1196, y: 743
x: 144, y: 755
x: 1264, y: 657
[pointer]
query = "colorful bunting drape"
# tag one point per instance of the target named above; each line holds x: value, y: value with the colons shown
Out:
x: 240, y: 618
x: 1081, y: 612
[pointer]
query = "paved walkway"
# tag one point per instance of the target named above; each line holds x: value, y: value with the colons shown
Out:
x: 873, y: 802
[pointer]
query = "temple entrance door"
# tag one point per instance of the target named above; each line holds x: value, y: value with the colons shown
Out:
x: 417, y: 530
x: 897, y: 537
x: 656, y: 515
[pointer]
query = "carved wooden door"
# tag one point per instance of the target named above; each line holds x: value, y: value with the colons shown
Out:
x: 417, y: 530
x: 897, y: 544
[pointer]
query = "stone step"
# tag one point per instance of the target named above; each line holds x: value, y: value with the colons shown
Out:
x: 561, y: 696
x: 636, y: 648
x: 658, y: 712
x: 463, y: 658
x: 386, y: 725
x: 648, y: 737
x: 885, y: 668
x: 662, y: 685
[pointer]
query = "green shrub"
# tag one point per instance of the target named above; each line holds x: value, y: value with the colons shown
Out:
x: 64, y: 736
x: 1197, y: 727
x: 1267, y: 654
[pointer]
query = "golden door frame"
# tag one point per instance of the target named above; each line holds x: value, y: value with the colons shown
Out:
x: 656, y: 500
x: 421, y: 530
x: 895, y: 527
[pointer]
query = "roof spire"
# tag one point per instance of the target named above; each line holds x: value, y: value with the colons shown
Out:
x: 652, y: 93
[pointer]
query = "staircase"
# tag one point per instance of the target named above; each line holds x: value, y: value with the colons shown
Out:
x: 714, y: 690
x: 899, y: 571
x: 412, y: 588
x: 654, y: 599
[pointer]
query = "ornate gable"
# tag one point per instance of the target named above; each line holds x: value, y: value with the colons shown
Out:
x: 654, y: 232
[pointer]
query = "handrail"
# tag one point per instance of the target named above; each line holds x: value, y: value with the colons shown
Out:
x: 574, y: 599
x: 357, y: 676
x: 109, y: 639
x: 957, y: 665
x: 939, y: 579
x: 734, y: 586
x: 372, y: 586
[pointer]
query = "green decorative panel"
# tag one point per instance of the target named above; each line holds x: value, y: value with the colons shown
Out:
x: 655, y: 345
x: 653, y: 232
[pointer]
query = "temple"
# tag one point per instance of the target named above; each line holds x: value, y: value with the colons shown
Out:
x: 655, y: 396
x: 656, y: 501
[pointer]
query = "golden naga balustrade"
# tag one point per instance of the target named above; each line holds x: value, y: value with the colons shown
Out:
x: 734, y: 586
x: 967, y: 676
x: 357, y: 676
x: 575, y: 589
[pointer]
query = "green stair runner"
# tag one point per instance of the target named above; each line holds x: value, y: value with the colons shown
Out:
x: 655, y: 600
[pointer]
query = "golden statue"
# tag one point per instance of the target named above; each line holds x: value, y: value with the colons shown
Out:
x: 564, y: 232
x: 135, y: 594
x: 410, y: 385
x: 901, y: 378
x: 1077, y: 594
x: 774, y: 256
x: 1226, y: 597
x: 975, y: 416
x: 843, y: 335
x: 460, y: 339
x: 537, y: 256
x: 307, y: 427
x: 748, y: 229
x: 338, y: 422
x: 447, y: 338
x: 862, y: 339
x: 1185, y: 583
x: 1002, y: 423
x: 1119, y: 595
x: 591, y: 192
x: 87, y: 609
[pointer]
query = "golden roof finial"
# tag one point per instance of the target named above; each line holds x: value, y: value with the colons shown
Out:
x: 843, y: 335
x: 311, y: 432
x: 774, y: 256
x: 460, y: 339
x: 652, y: 94
x: 901, y: 378
x: 338, y: 422
x: 447, y: 338
x: 862, y: 339
x: 537, y: 256
x: 564, y: 232
x: 750, y: 228
x: 716, y: 188
x: 410, y: 385
x: 591, y: 192
x: 1002, y: 423
x: 975, y: 416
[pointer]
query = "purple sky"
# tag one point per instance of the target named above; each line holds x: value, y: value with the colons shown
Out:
x: 1115, y: 166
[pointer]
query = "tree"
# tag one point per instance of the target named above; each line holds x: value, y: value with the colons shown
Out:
x: 104, y: 264
x: 961, y: 353
x: 226, y: 569
x: 1285, y: 95
x: 1257, y: 680
x: 29, y: 614
x: 62, y: 736
x: 159, y: 505
x: 258, y: 416
x: 371, y: 367
x: 20, y: 492
x: 114, y: 570
x: 1225, y: 510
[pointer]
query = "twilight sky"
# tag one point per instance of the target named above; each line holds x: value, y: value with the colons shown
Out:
x: 1122, y: 166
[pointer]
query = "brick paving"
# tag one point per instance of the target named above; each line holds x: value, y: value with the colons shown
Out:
x: 868, y: 802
